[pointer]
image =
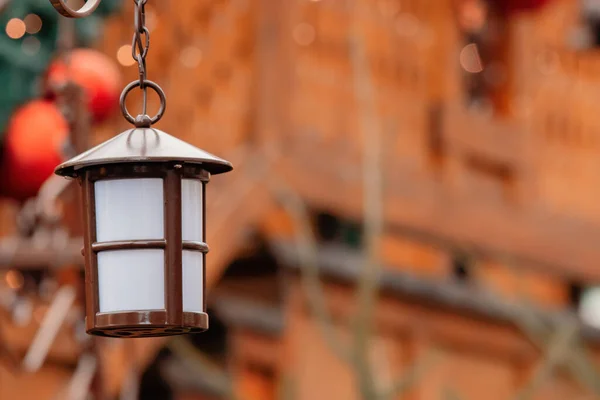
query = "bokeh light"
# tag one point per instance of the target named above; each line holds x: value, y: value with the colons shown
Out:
x: 472, y: 15
x: 304, y: 34
x: 15, y: 28
x: 33, y: 23
x: 124, y: 56
x: 190, y: 57
x: 14, y: 279
x: 31, y: 45
x: 470, y: 60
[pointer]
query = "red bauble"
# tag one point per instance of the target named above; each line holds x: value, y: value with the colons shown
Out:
x: 97, y: 74
x: 32, y: 148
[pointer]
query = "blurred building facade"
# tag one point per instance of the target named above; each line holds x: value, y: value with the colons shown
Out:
x: 485, y: 119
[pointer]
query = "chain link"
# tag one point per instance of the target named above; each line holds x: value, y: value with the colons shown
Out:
x: 139, y: 48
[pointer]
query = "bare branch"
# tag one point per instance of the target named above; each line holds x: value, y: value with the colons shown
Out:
x: 577, y: 362
x: 411, y: 377
x: 372, y: 206
x: 556, y: 353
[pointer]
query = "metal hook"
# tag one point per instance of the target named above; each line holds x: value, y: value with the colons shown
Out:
x: 62, y: 7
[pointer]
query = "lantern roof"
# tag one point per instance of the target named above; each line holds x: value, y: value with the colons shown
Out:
x: 143, y: 145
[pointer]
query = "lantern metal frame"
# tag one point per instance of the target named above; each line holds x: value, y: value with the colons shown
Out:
x: 128, y: 156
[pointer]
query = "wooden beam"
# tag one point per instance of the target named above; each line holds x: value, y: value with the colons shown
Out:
x: 26, y: 254
x: 429, y: 209
x: 341, y: 264
x: 451, y: 330
x: 258, y: 350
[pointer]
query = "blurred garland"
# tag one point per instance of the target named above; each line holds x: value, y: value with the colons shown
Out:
x: 21, y: 70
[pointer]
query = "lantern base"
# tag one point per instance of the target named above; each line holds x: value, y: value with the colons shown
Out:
x: 138, y: 324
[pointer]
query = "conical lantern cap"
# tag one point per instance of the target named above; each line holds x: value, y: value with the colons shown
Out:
x: 143, y: 145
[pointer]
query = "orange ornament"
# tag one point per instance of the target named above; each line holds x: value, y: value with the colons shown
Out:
x: 96, y: 73
x: 32, y: 148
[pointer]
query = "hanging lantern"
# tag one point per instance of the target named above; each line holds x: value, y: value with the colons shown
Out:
x: 144, y: 244
x: 144, y: 219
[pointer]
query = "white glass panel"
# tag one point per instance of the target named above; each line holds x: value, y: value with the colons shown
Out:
x: 589, y: 307
x: 129, y: 209
x: 193, y: 277
x: 131, y: 280
x: 191, y: 209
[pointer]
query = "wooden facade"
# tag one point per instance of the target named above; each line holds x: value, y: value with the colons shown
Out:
x: 506, y: 177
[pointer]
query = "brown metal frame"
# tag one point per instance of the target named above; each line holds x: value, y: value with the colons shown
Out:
x: 145, y: 323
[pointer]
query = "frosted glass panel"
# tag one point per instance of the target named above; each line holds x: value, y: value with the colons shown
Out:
x: 589, y: 307
x: 131, y: 280
x: 191, y: 207
x: 129, y: 209
x: 193, y: 275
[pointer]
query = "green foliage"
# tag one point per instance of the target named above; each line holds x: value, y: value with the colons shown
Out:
x: 22, y: 63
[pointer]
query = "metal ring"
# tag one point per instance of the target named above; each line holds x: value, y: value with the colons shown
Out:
x: 152, y: 85
x: 88, y: 8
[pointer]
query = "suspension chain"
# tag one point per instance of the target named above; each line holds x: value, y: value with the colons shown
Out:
x: 140, y: 45
x: 139, y: 51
